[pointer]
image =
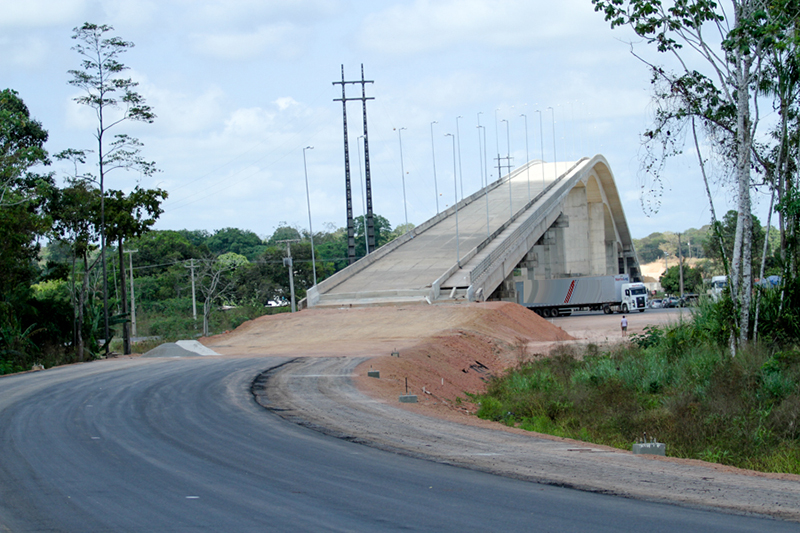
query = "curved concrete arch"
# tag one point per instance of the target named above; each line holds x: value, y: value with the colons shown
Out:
x: 574, y: 225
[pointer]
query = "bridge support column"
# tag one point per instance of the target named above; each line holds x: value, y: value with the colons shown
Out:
x: 598, y: 256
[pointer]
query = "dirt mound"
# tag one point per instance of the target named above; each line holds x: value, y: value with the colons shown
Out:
x: 444, y: 350
x: 380, y: 330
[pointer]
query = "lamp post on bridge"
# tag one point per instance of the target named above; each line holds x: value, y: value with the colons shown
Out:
x: 480, y: 154
x: 541, y: 143
x: 527, y: 156
x: 486, y: 187
x: 497, y: 142
x: 435, y: 185
x: 455, y: 189
x: 508, y: 161
x: 460, y: 170
x: 555, y: 157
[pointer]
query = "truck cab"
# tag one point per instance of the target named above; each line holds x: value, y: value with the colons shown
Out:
x: 634, y: 297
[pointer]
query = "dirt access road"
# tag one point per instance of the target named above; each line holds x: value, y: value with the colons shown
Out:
x: 444, y: 351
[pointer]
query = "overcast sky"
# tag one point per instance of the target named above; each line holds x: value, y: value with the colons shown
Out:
x: 240, y: 87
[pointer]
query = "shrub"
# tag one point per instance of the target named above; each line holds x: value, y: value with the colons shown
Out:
x: 677, y: 383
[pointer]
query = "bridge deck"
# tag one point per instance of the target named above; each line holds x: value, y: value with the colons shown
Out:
x: 416, y: 264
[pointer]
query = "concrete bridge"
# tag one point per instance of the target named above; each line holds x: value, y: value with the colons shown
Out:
x: 543, y: 221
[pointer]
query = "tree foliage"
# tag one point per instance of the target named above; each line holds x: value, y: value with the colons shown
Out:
x: 721, y: 56
x: 671, y: 280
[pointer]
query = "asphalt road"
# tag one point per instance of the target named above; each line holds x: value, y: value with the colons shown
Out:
x: 181, y: 445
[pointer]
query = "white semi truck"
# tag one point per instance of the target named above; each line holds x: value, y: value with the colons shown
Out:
x: 554, y: 297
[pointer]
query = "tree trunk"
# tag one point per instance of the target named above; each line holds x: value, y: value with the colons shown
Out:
x: 206, y: 313
x: 741, y: 283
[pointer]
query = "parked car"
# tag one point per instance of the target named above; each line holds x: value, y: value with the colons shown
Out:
x: 689, y: 300
x: 655, y: 304
x: 670, y: 302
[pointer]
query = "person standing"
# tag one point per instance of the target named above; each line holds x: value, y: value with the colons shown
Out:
x: 624, y: 325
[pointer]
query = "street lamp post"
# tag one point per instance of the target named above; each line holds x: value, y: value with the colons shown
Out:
x: 460, y: 170
x: 403, y: 173
x: 486, y: 187
x: 455, y: 190
x: 527, y: 157
x: 435, y: 185
x: 541, y: 144
x: 555, y: 157
x: 508, y: 162
x: 480, y: 154
x: 310, y: 228
x: 497, y: 142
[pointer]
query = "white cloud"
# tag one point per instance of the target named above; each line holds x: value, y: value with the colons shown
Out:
x: 248, y: 123
x: 246, y: 11
x: 129, y: 12
x: 426, y: 25
x: 184, y: 113
x: 39, y: 13
x: 285, y: 102
x: 283, y: 39
x: 25, y: 52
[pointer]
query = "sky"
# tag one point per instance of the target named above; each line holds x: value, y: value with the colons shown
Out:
x: 241, y: 87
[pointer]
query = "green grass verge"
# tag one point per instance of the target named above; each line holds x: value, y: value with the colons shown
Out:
x: 675, y: 384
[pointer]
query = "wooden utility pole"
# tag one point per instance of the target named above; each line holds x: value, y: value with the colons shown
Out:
x: 133, y: 296
x: 287, y: 261
x: 194, y: 298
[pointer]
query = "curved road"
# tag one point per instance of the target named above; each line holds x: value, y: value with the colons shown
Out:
x: 182, y: 445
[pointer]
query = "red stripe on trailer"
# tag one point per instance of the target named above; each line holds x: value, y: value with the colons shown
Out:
x: 569, y: 292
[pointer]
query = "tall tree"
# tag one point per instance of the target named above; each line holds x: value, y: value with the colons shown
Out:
x: 731, y: 46
x: 115, y: 100
x: 21, y: 147
x: 217, y: 281
x: 23, y: 194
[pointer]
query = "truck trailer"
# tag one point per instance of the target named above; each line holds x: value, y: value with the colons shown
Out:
x: 554, y: 297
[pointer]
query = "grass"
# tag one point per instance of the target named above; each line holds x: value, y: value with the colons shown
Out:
x: 673, y: 383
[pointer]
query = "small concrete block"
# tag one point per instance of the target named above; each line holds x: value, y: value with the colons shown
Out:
x: 408, y: 398
x: 650, y: 448
x: 374, y: 374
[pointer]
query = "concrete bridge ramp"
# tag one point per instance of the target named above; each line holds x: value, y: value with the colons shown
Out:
x: 542, y: 221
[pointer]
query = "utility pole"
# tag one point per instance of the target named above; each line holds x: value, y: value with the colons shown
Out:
x: 194, y: 298
x: 133, y: 296
x: 363, y: 202
x: 351, y: 243
x: 287, y: 262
